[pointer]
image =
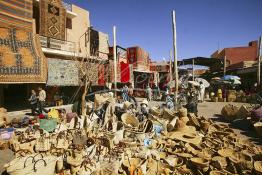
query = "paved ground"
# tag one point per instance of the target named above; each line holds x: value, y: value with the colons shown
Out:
x: 206, y: 109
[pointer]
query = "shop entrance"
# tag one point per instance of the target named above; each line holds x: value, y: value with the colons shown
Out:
x: 15, y: 97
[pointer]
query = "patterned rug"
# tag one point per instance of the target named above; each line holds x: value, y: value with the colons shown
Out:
x: 21, y: 57
x: 52, y: 19
x: 16, y: 14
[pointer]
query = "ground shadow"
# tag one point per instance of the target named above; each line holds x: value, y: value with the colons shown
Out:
x: 244, y: 126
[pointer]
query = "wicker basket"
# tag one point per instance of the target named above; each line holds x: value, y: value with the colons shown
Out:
x: 258, y: 127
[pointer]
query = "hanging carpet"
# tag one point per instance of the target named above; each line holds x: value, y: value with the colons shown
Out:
x: 21, y: 57
x: 16, y: 14
x: 52, y: 19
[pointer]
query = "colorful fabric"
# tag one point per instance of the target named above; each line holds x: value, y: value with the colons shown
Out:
x: 125, y: 72
x: 52, y: 19
x: 21, y: 57
x: 101, y: 74
x: 16, y: 14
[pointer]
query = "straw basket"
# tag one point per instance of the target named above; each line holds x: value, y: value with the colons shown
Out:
x: 200, y: 162
x: 243, y: 112
x: 182, y: 112
x: 258, y: 167
x: 229, y: 112
x: 258, y: 127
x: 155, y: 111
x: 168, y: 114
x: 129, y: 120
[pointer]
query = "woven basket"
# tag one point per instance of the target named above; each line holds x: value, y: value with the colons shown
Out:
x: 129, y: 120
x: 200, y: 162
x: 258, y: 127
x: 229, y: 112
x: 258, y: 167
x: 182, y: 112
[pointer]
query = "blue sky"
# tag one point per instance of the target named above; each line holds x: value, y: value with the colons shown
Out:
x: 202, y: 25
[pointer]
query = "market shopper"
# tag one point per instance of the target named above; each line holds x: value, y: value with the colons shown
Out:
x: 169, y: 102
x: 33, y: 102
x: 41, y: 99
x: 148, y: 93
x: 155, y: 92
x: 201, y: 91
x: 125, y: 93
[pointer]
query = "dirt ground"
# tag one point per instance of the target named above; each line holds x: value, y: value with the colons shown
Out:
x: 206, y: 109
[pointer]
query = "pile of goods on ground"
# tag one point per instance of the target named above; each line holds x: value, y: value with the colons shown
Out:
x: 243, y: 117
x: 164, y: 142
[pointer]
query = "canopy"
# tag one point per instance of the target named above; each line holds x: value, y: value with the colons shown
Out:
x: 231, y: 77
x: 205, y: 82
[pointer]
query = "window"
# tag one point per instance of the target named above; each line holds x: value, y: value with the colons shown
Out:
x: 68, y: 23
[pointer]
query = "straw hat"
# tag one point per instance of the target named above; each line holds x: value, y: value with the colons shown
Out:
x: 200, y: 162
x: 258, y: 167
x: 127, y: 105
x: 219, y: 162
x: 155, y: 111
x: 129, y: 120
x: 226, y: 152
x: 186, y: 136
x: 216, y: 172
x: 144, y: 102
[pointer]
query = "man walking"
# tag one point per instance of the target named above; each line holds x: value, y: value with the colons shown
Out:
x: 41, y: 99
x: 148, y: 93
x: 201, y: 91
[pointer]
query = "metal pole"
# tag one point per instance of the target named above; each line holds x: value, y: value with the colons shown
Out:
x: 115, y: 65
x: 175, y: 54
x: 225, y: 65
x: 193, y: 69
x: 170, y: 67
x: 259, y: 62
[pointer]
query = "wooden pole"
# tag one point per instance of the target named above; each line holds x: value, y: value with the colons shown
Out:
x: 193, y: 70
x: 225, y: 65
x: 259, y: 62
x: 115, y: 65
x: 170, y: 67
x: 175, y: 54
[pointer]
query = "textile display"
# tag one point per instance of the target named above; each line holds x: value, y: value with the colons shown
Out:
x: 16, y: 14
x: 125, y: 72
x: 91, y: 72
x: 103, y: 45
x: 101, y: 74
x: 94, y: 42
x: 52, y: 19
x: 21, y: 57
x: 62, y: 72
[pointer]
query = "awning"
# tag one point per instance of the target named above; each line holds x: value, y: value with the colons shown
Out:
x: 143, y: 71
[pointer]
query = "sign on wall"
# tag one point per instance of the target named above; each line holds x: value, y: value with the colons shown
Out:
x: 62, y: 72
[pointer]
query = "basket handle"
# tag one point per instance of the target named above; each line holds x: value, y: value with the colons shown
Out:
x: 45, y: 164
x: 40, y: 155
x: 27, y: 159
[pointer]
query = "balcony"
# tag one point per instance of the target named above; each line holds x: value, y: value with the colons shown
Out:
x: 58, y: 47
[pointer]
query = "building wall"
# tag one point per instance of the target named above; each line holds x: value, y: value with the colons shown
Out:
x: 238, y: 54
x: 80, y: 25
